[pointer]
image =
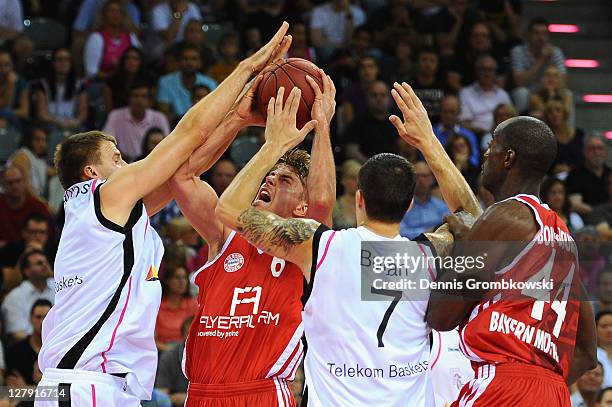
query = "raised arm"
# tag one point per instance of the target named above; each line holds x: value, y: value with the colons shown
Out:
x: 416, y: 130
x: 133, y: 182
x: 277, y: 236
x: 321, y: 184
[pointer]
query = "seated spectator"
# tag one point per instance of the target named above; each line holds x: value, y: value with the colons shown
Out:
x: 360, y: 145
x: 449, y: 126
x: 344, y: 215
x: 14, y: 101
x: 354, y: 100
x: 501, y: 113
x: 601, y: 216
x: 35, y: 235
x: 104, y: 47
x: 129, y: 124
x: 170, y: 378
x: 604, y: 398
x: 17, y: 203
x: 300, y: 47
x: 222, y: 174
x: 399, y: 67
x: 591, y: 261
x: 22, y: 356
x: 11, y: 20
x: 603, y: 292
x: 131, y: 70
x: 604, y: 344
x: 60, y: 99
x: 426, y: 211
x: 395, y: 20
x: 170, y: 17
x: 554, y: 194
x: 504, y: 19
x: 266, y: 18
x: 587, y: 184
x: 551, y: 88
x: 199, y: 92
x: 174, y: 96
x: 530, y: 61
x: 459, y: 150
x: 569, y: 139
x: 31, y: 159
x: 588, y: 387
x: 176, y: 305
x: 344, y: 63
x: 38, y: 284
x: 228, y: 48
x: 428, y: 83
x: 331, y: 25
x: 452, y: 26
x: 152, y: 137
x: 480, y: 98
x: 195, y: 35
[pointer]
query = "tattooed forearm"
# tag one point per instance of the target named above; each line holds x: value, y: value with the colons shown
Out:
x: 271, y: 233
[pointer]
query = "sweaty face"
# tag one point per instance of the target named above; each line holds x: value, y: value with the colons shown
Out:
x: 281, y: 193
x: 493, y: 165
x: 110, y: 160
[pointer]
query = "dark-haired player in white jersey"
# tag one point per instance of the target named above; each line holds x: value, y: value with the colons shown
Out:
x: 98, y: 343
x: 359, y: 353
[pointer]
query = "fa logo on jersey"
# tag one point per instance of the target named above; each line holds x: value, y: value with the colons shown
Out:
x: 233, y: 262
x: 240, y: 298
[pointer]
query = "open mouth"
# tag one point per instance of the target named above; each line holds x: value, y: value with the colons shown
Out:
x: 264, y: 196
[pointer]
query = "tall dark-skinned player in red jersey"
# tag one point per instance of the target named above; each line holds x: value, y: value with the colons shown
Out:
x: 524, y: 350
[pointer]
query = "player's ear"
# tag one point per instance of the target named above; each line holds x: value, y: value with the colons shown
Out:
x: 359, y: 200
x: 300, y: 210
x: 509, y: 158
x: 90, y: 172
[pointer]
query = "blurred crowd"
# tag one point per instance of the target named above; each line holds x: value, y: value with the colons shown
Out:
x: 133, y: 68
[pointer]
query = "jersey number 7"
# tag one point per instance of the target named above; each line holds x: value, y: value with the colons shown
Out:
x: 397, y: 296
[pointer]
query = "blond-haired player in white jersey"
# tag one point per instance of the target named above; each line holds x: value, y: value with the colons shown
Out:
x: 98, y: 343
x: 359, y: 353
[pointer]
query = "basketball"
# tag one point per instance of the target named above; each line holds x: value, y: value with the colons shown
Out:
x: 288, y: 74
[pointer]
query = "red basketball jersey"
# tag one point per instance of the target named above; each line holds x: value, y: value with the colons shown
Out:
x: 249, y: 320
x: 510, y: 325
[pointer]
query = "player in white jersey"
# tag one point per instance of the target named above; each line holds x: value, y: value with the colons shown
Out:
x: 360, y: 353
x: 98, y: 342
x: 450, y: 369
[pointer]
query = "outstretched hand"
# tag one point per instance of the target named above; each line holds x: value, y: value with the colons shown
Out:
x: 272, y: 51
x: 324, y: 105
x: 416, y: 128
x: 246, y: 107
x: 281, y: 128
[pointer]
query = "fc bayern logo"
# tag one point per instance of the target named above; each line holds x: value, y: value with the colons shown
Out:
x: 233, y: 262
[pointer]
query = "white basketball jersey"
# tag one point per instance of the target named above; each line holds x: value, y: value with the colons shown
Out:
x: 345, y: 364
x: 450, y: 369
x: 107, y: 293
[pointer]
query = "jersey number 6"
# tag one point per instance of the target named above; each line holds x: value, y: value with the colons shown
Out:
x: 397, y: 295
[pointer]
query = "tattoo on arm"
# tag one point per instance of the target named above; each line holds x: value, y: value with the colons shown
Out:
x: 269, y: 232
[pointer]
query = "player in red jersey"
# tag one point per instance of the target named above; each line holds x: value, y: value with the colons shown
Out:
x: 524, y: 350
x: 245, y: 342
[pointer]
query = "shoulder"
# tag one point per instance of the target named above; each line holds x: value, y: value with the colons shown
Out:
x: 438, y: 204
x: 506, y: 220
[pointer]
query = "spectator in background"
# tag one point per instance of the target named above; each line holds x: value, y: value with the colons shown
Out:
x: 222, y: 174
x: 228, y: 48
x: 152, y: 137
x: 604, y: 344
x: 504, y: 19
x: 453, y: 25
x: 399, y: 67
x: 22, y: 356
x: 480, y: 98
x: 130, y: 124
x: 174, y: 96
x: 601, y: 216
x: 31, y: 159
x: 604, y: 398
x: 502, y: 112
x: 344, y: 216
x: 176, y: 305
x: 587, y: 184
x: 569, y: 139
x: 300, y: 47
x: 588, y: 387
x: 449, y: 126
x: 170, y: 378
x: 459, y: 150
x: 551, y: 88
x: 332, y: 24
x: 59, y: 97
x: 266, y: 18
x: 591, y: 261
x: 394, y: 21
x: 554, y: 194
x: 17, y: 203
x: 372, y: 133
x: 131, y: 70
x: 104, y: 48
x: 37, y: 284
x: 195, y: 35
x: 199, y: 92
x: 354, y: 97
x: 170, y: 17
x: 35, y: 235
x: 604, y: 292
x: 428, y: 83
x: 530, y: 61
x: 345, y: 62
x: 11, y: 19
x: 426, y: 211
x: 14, y: 101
